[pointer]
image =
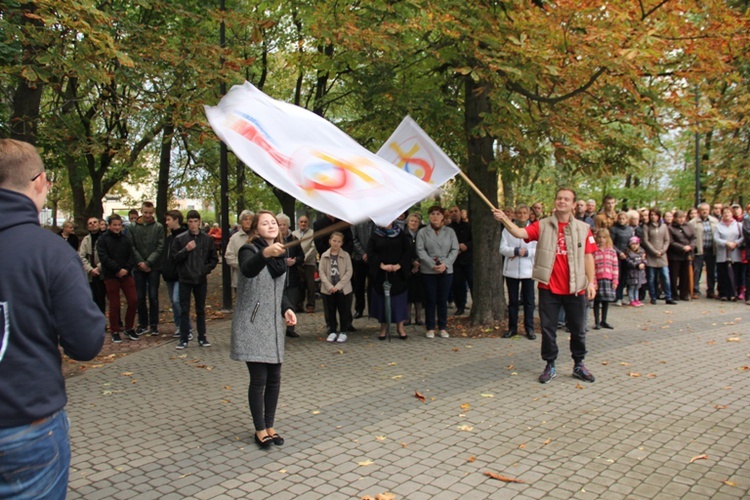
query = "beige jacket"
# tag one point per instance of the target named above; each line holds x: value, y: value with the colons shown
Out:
x: 576, y: 233
x: 345, y: 273
x: 89, y: 257
x: 232, y: 254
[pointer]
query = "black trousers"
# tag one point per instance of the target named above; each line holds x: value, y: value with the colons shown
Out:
x: 199, y: 292
x: 463, y: 277
x: 338, y: 302
x: 526, y: 287
x: 263, y: 393
x: 359, y: 283
x: 99, y: 293
x: 575, y: 312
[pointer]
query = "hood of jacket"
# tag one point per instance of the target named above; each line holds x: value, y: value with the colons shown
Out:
x: 17, y: 209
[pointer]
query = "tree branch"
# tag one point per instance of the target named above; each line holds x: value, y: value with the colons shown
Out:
x: 511, y: 85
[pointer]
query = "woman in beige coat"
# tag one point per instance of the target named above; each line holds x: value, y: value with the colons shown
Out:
x: 656, y: 243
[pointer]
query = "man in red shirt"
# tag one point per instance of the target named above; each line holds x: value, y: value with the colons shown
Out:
x: 564, y: 268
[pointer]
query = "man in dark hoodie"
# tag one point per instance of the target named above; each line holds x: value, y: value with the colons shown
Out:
x: 176, y: 227
x: 147, y: 236
x: 195, y: 255
x: 45, y: 304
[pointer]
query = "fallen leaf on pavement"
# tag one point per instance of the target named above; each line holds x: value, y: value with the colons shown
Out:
x: 624, y: 364
x: 466, y: 407
x: 471, y: 459
x: 365, y: 463
x: 522, y: 446
x: 419, y: 396
x: 711, y: 342
x: 380, y: 438
x: 126, y: 374
x: 455, y: 349
x: 721, y: 407
x: 634, y: 374
x: 385, y: 496
x: 465, y: 428
x: 744, y: 368
x: 488, y: 395
x: 579, y: 386
x: 729, y: 483
x: 495, y: 475
x: 397, y: 377
x: 699, y: 457
x: 605, y: 362
x: 651, y: 375
x: 548, y: 441
x: 733, y: 339
x: 228, y: 387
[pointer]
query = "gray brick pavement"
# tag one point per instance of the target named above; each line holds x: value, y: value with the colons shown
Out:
x: 175, y: 424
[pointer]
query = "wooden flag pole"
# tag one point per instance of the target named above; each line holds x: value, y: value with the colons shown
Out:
x: 476, y: 189
x: 342, y: 224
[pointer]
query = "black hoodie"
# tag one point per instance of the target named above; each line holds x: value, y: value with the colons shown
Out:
x: 45, y: 301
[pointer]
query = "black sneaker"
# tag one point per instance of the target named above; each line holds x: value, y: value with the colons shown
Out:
x: 141, y: 330
x: 131, y: 334
x: 181, y: 345
x: 581, y: 372
x: 509, y: 334
x: 116, y: 338
x: 176, y: 335
x: 204, y: 342
x: 153, y: 331
x: 292, y: 334
x: 530, y: 335
x: 548, y: 374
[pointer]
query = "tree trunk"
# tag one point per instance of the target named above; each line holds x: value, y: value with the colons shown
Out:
x: 28, y: 95
x: 240, y: 190
x: 287, y: 205
x: 488, y: 303
x: 165, y: 162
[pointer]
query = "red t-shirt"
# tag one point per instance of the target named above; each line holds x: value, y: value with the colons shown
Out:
x: 559, y: 280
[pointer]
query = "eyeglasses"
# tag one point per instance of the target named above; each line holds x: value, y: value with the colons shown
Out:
x: 49, y: 182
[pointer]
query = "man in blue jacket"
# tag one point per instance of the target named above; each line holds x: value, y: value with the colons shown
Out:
x: 45, y: 304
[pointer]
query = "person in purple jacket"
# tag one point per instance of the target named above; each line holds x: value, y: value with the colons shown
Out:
x: 45, y: 304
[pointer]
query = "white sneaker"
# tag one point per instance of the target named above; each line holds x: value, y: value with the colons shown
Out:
x: 332, y: 337
x: 444, y: 334
x: 342, y: 338
x: 618, y: 303
x: 430, y: 334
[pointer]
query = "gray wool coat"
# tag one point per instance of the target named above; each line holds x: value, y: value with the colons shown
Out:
x: 258, y: 326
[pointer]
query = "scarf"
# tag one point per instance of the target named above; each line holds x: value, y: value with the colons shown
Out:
x: 276, y: 265
x: 387, y: 233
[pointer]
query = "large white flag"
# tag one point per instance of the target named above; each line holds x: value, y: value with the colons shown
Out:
x: 412, y: 150
x: 311, y: 159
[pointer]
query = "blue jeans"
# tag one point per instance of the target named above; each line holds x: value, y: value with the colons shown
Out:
x: 665, y: 283
x: 34, y: 459
x: 173, y: 287
x: 436, y: 288
x: 147, y: 289
x: 199, y: 291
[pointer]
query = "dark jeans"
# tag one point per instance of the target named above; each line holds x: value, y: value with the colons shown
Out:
x: 436, y: 287
x: 34, y: 459
x: 359, y: 283
x: 463, y: 275
x: 527, y: 297
x: 666, y: 286
x: 338, y: 302
x: 728, y: 279
x: 709, y: 259
x: 308, y: 276
x: 575, y: 312
x: 620, y: 290
x: 147, y: 288
x: 199, y: 292
x: 99, y: 293
x: 127, y: 285
x: 263, y: 393
x: 679, y: 276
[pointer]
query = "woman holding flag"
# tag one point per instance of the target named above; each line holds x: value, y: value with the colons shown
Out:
x: 257, y: 332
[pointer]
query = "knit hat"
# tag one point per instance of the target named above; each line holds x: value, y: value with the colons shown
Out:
x: 634, y: 239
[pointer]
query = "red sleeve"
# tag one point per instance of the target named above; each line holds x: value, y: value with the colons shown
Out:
x: 590, y: 244
x: 532, y: 231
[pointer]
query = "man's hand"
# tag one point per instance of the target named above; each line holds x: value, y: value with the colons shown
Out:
x: 591, y: 291
x: 290, y: 317
x: 462, y: 247
x: 122, y: 273
x: 190, y: 245
x: 143, y: 267
x: 522, y: 252
x: 95, y: 272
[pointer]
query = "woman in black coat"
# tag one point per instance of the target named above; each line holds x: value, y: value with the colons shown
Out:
x: 680, y: 256
x: 389, y: 255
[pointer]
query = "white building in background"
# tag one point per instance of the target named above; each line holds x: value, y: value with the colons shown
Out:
x: 138, y: 194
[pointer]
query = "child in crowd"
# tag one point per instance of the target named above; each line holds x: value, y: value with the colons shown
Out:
x: 335, y: 272
x: 635, y: 263
x: 607, y: 277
